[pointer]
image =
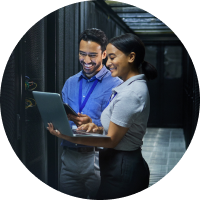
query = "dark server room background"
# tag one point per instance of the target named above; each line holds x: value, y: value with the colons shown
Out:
x: 48, y: 54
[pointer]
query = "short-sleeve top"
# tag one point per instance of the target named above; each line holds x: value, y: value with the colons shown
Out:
x: 129, y: 108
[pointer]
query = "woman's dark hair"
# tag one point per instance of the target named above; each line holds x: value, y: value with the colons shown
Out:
x: 128, y: 43
x: 94, y: 35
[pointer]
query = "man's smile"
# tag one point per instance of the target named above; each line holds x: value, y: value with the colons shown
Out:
x: 87, y: 66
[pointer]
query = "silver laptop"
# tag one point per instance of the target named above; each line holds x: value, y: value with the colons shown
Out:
x: 52, y: 110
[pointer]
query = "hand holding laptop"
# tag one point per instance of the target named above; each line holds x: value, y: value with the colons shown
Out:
x: 55, y: 132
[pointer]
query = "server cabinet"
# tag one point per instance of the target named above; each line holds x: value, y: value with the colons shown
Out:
x: 152, y: 56
x: 10, y: 101
x: 25, y: 71
x: 34, y: 133
x: 172, y: 83
x: 191, y: 99
x: 166, y: 91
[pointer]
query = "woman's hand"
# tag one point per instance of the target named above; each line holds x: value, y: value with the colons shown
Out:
x: 91, y: 127
x: 54, y: 132
x: 80, y: 119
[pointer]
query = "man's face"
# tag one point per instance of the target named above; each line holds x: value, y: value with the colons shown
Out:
x: 90, y: 57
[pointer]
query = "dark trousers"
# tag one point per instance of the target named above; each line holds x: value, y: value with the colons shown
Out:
x: 123, y: 173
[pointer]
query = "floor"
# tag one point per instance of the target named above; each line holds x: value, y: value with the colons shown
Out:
x: 162, y: 149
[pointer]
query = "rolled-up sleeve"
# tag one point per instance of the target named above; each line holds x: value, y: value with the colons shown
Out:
x: 126, y: 109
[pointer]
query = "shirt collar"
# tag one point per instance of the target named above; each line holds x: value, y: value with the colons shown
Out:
x: 122, y: 86
x: 98, y: 76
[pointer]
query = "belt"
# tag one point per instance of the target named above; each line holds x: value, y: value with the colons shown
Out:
x: 82, y: 149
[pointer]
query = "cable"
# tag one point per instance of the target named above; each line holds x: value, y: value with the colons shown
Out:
x: 26, y: 85
x: 31, y: 85
x: 29, y: 103
x: 27, y: 77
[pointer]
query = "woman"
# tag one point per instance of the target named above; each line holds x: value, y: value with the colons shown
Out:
x: 123, y: 169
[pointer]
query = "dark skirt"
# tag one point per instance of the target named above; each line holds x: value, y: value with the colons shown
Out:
x: 123, y: 173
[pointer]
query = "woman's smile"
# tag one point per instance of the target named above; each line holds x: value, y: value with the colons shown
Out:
x: 112, y: 69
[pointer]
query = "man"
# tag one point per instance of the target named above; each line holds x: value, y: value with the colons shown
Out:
x: 87, y: 93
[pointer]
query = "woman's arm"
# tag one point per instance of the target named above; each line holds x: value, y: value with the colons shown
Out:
x: 115, y: 132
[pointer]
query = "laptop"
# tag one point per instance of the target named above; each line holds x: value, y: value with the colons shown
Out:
x: 52, y: 110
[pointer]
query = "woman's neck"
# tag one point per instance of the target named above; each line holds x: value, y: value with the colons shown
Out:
x: 130, y: 74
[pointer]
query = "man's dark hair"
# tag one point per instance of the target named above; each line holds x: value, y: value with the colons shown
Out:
x: 94, y: 35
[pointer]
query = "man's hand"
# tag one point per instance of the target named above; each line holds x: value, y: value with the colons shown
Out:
x: 80, y: 119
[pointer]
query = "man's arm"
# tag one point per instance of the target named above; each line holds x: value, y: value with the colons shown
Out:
x: 80, y: 119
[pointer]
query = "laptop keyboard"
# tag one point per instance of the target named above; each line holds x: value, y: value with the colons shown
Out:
x: 82, y: 132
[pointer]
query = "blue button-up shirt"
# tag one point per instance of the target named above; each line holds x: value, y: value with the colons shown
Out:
x: 97, y: 101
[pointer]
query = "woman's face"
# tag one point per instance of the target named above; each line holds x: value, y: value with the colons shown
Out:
x: 118, y: 62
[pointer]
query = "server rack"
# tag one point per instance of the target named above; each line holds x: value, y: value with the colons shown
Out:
x: 27, y: 135
x: 10, y: 101
x: 191, y: 99
x: 166, y: 92
x: 34, y: 146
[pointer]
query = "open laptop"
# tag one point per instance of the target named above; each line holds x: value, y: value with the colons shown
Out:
x: 52, y: 110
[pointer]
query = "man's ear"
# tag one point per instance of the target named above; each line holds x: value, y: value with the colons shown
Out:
x: 104, y: 55
x: 131, y: 58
